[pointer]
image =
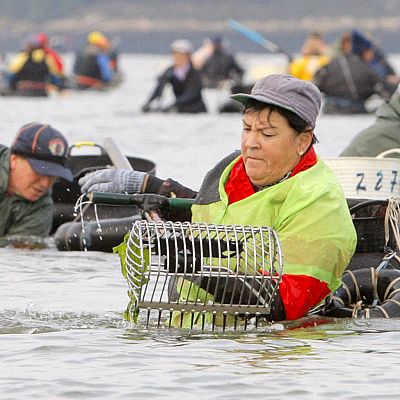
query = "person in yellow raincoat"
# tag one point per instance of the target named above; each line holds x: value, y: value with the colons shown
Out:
x: 313, y: 57
x: 276, y: 180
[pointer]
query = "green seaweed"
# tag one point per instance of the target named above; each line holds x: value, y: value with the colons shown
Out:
x: 132, y: 311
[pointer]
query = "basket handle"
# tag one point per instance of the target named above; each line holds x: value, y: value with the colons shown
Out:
x: 367, y: 203
x: 140, y: 200
x: 78, y: 145
x: 388, y: 152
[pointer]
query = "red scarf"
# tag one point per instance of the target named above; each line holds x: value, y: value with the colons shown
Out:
x: 238, y: 185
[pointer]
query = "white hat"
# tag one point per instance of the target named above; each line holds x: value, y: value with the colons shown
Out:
x: 182, y: 46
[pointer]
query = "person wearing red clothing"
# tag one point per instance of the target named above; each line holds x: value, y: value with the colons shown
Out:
x: 43, y: 41
x: 275, y: 180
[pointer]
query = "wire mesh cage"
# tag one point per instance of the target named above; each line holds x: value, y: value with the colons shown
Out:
x: 196, y: 275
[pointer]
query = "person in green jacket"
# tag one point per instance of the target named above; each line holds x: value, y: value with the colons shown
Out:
x: 382, y: 135
x: 275, y: 180
x: 28, y: 171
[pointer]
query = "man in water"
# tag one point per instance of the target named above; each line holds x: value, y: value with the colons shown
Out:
x: 28, y: 171
x: 221, y: 66
x: 184, y: 80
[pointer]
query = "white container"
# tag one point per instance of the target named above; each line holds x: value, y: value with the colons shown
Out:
x: 368, y: 177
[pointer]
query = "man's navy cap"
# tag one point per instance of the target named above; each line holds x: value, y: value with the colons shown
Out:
x: 45, y: 149
x: 296, y: 95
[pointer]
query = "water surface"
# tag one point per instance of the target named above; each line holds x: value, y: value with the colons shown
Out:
x: 61, y: 331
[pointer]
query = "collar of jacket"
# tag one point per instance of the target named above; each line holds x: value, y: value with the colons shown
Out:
x: 4, y: 169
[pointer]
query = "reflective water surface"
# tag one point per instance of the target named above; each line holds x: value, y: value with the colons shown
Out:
x: 61, y: 330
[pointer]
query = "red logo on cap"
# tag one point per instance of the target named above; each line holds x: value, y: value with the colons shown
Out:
x: 57, y: 147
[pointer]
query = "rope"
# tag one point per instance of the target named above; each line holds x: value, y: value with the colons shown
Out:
x: 374, y: 280
x: 392, y: 218
x: 394, y: 292
x: 390, y: 287
x: 338, y: 299
x: 353, y: 278
x: 357, y: 306
x: 383, y: 311
x: 394, y: 301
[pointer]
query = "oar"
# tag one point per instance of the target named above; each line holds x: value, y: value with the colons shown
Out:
x: 257, y: 38
x: 140, y: 200
x: 115, y: 154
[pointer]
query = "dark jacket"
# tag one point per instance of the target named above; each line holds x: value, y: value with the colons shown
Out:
x: 86, y: 65
x: 220, y: 66
x: 349, y: 80
x: 35, y: 71
x: 17, y: 215
x: 188, y: 97
x: 92, y: 68
x: 30, y: 73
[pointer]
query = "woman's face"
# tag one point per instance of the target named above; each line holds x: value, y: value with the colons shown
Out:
x: 270, y: 147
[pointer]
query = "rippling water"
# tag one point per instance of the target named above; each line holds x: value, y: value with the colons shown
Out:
x: 61, y: 331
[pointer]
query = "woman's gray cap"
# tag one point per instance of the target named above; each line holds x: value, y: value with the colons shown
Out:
x: 296, y: 95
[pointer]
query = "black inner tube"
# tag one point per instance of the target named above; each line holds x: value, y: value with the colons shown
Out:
x: 366, y: 293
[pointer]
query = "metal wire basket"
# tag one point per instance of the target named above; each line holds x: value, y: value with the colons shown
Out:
x: 202, y: 276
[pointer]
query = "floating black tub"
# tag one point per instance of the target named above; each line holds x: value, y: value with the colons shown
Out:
x: 115, y: 220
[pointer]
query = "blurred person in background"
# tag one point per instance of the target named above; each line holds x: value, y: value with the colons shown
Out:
x: 349, y: 79
x: 313, y: 57
x: 382, y: 135
x: 28, y: 171
x: 33, y: 71
x: 221, y: 66
x: 185, y: 81
x: 43, y: 40
x: 92, y: 67
x: 340, y: 47
x: 372, y: 55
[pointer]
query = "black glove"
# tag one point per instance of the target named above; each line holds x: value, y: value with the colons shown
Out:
x: 175, y: 189
x: 154, y: 204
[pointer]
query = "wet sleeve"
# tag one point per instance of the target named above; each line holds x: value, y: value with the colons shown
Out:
x: 300, y: 293
x: 34, y: 220
x: 162, y: 80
